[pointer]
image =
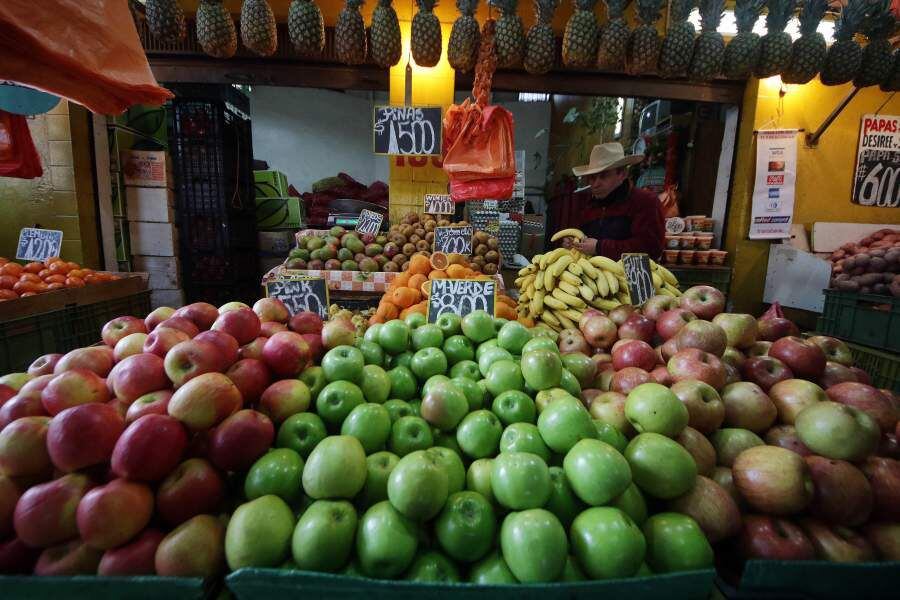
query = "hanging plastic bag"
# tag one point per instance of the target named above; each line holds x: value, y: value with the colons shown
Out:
x: 85, y: 50
x: 18, y: 156
x: 668, y: 200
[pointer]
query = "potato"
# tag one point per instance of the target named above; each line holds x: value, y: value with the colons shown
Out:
x: 866, y: 241
x: 862, y: 260
x: 847, y: 285
x: 895, y: 289
x: 865, y: 290
x: 880, y: 288
x: 877, y: 265
x: 843, y: 277
x: 849, y: 263
x: 869, y: 279
x: 857, y: 271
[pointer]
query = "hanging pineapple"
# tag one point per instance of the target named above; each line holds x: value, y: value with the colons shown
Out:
x: 644, y: 43
x: 258, y: 29
x: 510, y: 36
x: 166, y: 20
x: 742, y: 52
x: 582, y: 34
x: 540, y: 43
x: 709, y: 49
x: 614, y: 37
x: 892, y: 82
x: 808, y: 51
x: 677, y: 46
x: 425, y: 40
x: 215, y: 29
x: 844, y: 55
x: 350, y: 35
x: 877, y: 57
x: 775, y: 46
x: 465, y: 35
x: 306, y: 27
x: 385, y: 35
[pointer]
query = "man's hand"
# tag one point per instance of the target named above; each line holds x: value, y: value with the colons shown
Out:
x: 587, y: 245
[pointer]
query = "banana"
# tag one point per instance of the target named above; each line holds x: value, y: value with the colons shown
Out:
x: 560, y: 264
x: 551, y: 257
x: 674, y: 290
x: 568, y: 287
x: 624, y: 297
x: 607, y: 264
x: 536, y: 259
x: 604, y: 304
x: 568, y: 298
x: 657, y: 280
x: 554, y: 302
x: 574, y: 268
x: 564, y: 321
x: 570, y: 278
x: 573, y: 314
x: 537, y: 303
x: 612, y: 282
x: 587, y: 267
x: 602, y: 284
x: 664, y: 291
x: 548, y: 318
x: 571, y: 232
x: 666, y: 275
x: 549, y: 281
x: 527, y: 270
x: 586, y: 292
x: 591, y: 284
x: 539, y: 281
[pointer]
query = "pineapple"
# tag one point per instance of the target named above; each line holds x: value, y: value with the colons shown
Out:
x: 775, y: 46
x: 582, y: 33
x: 892, y: 82
x: 425, y: 40
x: 166, y: 20
x: 510, y: 36
x: 877, y: 59
x: 350, y: 35
x: 540, y: 43
x: 644, y: 43
x: 675, y: 54
x: 385, y: 35
x: 462, y: 49
x: 215, y: 29
x: 258, y: 30
x: 844, y: 55
x: 709, y: 48
x: 808, y: 52
x: 306, y: 27
x: 614, y: 37
x: 742, y: 52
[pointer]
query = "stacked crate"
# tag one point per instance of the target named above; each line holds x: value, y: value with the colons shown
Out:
x: 278, y: 217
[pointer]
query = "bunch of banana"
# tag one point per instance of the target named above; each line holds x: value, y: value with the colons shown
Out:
x: 557, y: 287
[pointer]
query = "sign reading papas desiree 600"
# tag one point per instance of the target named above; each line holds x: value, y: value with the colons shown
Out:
x: 877, y: 177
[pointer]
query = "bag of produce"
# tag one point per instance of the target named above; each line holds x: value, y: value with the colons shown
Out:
x: 18, y: 157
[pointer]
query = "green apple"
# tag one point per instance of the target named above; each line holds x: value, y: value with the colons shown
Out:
x: 398, y: 408
x: 596, y: 471
x: 479, y: 433
x: 277, y: 472
x: 444, y: 406
x: 343, y: 363
x: 660, y: 466
x: 428, y: 335
x: 514, y: 406
x: 378, y: 469
x: 491, y: 570
x: 458, y: 348
x: 534, y: 546
x: 418, y: 486
x: 451, y: 462
x: 474, y: 393
x: 450, y: 324
x: 544, y: 397
x: 582, y: 367
x: 336, y: 468
x: 372, y: 332
x: 569, y: 382
x: 484, y: 347
x: 414, y: 320
x: 676, y: 543
x: 542, y: 368
x: 524, y: 437
x: 301, y: 433
x: 838, y: 431
x: 259, y: 533
x: 403, y: 383
x: 371, y: 351
x: 447, y: 440
x: 323, y: 537
x: 433, y: 380
x: 513, y: 336
x: 370, y: 423
x: 609, y: 434
x: 466, y: 526
x: 563, y: 502
x: 386, y: 541
x: 572, y: 572
x: 653, y: 408
x: 504, y: 375
x: 427, y: 362
x: 490, y: 356
x: 375, y: 384
x: 416, y: 407
x: 394, y: 337
x: 607, y: 543
x: 520, y: 480
x: 539, y: 342
x: 409, y: 434
x: 315, y: 380
x: 336, y: 401
x: 478, y: 326
x: 499, y: 322
x: 564, y: 422
x: 433, y: 567
x: 466, y: 368
x: 478, y: 478
x: 401, y: 360
x: 632, y: 502
x: 729, y: 442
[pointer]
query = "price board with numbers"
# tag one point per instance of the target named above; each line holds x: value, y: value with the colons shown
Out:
x: 369, y: 222
x: 877, y: 175
x: 408, y: 130
x: 453, y: 240
x: 38, y: 244
x: 439, y: 204
x: 301, y: 294
x: 639, y: 277
x: 460, y: 297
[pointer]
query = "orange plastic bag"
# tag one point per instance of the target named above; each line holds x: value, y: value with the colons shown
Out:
x: 18, y: 157
x: 85, y: 50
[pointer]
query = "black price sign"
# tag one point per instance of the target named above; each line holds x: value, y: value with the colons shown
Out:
x: 439, y: 204
x: 461, y: 296
x: 300, y: 294
x: 453, y: 240
x: 38, y: 244
x: 369, y: 222
x: 639, y: 277
x: 877, y: 178
x: 407, y: 130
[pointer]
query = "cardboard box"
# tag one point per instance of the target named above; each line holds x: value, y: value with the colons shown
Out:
x: 275, y: 242
x: 278, y: 213
x: 147, y: 168
x: 165, y: 271
x: 270, y: 184
x: 153, y: 239
x: 150, y: 204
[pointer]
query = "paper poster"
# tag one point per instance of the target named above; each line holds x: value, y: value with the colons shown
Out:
x: 774, y: 187
x: 877, y: 177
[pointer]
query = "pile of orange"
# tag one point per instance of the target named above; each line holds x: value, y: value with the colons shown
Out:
x: 20, y: 281
x: 409, y: 290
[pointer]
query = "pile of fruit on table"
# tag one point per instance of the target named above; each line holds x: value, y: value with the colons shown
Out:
x: 473, y: 449
x: 20, y: 281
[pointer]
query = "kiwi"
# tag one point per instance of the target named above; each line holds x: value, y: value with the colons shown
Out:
x: 429, y: 225
x: 492, y: 256
x: 481, y: 237
x: 443, y: 223
x: 413, y: 239
x: 481, y: 249
x: 429, y: 237
x: 390, y: 267
x: 493, y: 243
x: 490, y: 269
x: 420, y: 231
x: 404, y: 266
x: 422, y: 245
x: 409, y: 248
x: 478, y: 260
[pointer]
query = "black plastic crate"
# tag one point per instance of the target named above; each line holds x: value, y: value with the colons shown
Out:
x: 23, y: 340
x: 88, y: 320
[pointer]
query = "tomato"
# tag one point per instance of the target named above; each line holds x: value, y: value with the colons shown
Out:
x: 44, y: 273
x: 75, y: 282
x: 25, y: 286
x: 40, y: 287
x: 8, y: 295
x: 59, y: 267
x: 26, y: 294
x: 33, y: 267
x: 3, y: 261
x: 88, y: 271
x: 55, y: 279
x: 52, y: 259
x: 73, y: 265
x: 92, y: 279
x: 11, y: 268
x: 55, y: 286
x: 76, y: 273
x: 29, y: 277
x: 7, y: 282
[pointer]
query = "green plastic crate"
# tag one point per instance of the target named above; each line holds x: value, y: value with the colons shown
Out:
x: 23, y: 340
x: 819, y: 579
x: 84, y: 587
x: 882, y: 367
x: 717, y: 277
x: 869, y: 319
x: 273, y: 584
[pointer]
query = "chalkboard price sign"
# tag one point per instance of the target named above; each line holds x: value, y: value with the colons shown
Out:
x: 457, y: 240
x: 369, y: 222
x: 38, y: 244
x: 439, y: 204
x: 407, y: 130
x: 639, y: 277
x: 300, y: 294
x: 461, y: 296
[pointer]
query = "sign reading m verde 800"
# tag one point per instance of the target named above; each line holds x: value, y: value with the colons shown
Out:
x: 461, y: 296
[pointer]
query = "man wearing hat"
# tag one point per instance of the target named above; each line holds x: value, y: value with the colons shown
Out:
x: 618, y: 217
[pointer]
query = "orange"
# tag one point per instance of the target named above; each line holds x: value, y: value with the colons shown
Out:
x: 439, y: 260
x: 390, y: 311
x: 44, y: 274
x: 52, y: 259
x: 504, y: 311
x: 405, y: 297
x: 456, y: 271
x: 416, y: 281
x: 419, y: 264
x: 526, y: 321
x: 401, y: 279
x: 55, y: 279
x: 437, y: 274
x: 426, y: 289
x: 25, y: 286
x: 76, y: 273
x: 26, y: 294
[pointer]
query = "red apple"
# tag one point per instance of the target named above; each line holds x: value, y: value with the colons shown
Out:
x: 193, y: 488
x: 587, y: 396
x: 98, y: 359
x: 251, y: 376
x: 670, y: 322
x: 841, y: 493
x: 9, y: 496
x: 587, y: 314
x: 338, y: 332
x: 283, y: 399
x: 712, y: 507
x: 732, y: 374
x: 884, y: 476
x: 154, y: 403
x: 35, y: 387
x: 138, y: 375
x: 16, y: 558
x: 802, y: 357
x: 703, y: 300
x: 113, y: 514
x: 599, y: 331
x: 253, y: 349
x: 242, y: 324
x: 733, y: 357
x: 83, y: 436
x: 157, y: 316
x: 571, y: 340
x: 657, y: 305
x: 233, y: 305
x: 45, y: 514
x: 149, y: 448
x: 271, y: 310
x: 634, y: 353
x: 306, y: 322
x: 23, y: 447
x: 191, y: 359
x: 625, y: 380
x: 835, y: 350
x: 163, y: 339
x: 196, y: 548
x: 637, y: 327
x: 793, y: 395
x: 868, y: 399
x: 609, y: 407
x: 18, y: 407
x: 889, y: 447
x: 129, y: 345
x: 773, y: 480
x: 286, y: 354
x: 704, y: 405
x: 227, y: 345
x: 662, y: 376
x: 861, y: 376
x: 885, y: 537
x: 740, y: 328
x: 785, y: 436
x: 748, y: 407
x: 765, y: 371
x: 621, y: 313
x: 723, y: 476
x: 120, y: 327
x: 202, y: 314
x: 837, y: 543
x: 834, y: 374
x: 775, y: 328
x: 703, y: 335
x: 771, y: 538
x: 316, y: 348
x: 693, y: 363
x: 760, y: 348
x: 205, y: 401
x: 44, y: 365
x: 134, y: 558
x: 240, y: 439
x: 71, y: 388
x: 699, y: 447
x: 182, y: 324
x: 68, y: 559
x: 270, y: 328
x: 668, y: 349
